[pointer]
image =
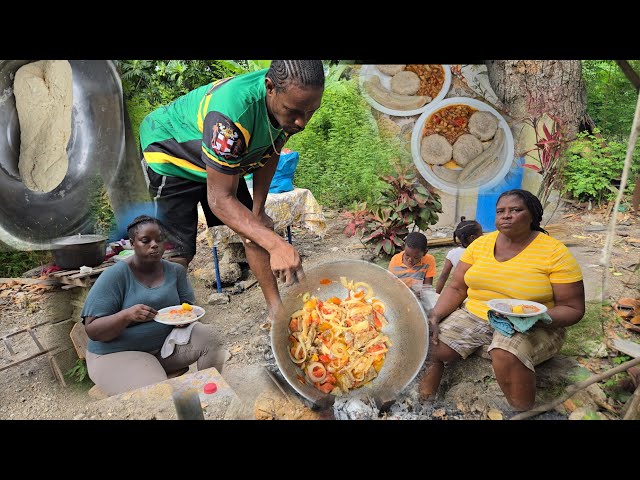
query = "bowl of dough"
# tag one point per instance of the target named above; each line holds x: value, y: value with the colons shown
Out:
x: 63, y: 137
x: 404, y: 90
x: 462, y: 144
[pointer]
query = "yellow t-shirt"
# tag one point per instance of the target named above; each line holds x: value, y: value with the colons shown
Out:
x: 527, y: 276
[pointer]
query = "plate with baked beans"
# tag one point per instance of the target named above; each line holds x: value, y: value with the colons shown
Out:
x: 462, y: 144
x: 404, y: 90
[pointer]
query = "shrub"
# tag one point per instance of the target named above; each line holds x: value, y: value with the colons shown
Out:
x: 593, y: 165
x: 341, y: 151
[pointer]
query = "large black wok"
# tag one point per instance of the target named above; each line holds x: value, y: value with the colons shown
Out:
x: 407, y: 329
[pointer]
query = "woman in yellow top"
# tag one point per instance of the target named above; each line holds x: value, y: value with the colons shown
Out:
x: 518, y: 261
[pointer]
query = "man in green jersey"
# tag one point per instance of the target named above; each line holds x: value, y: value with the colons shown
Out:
x: 198, y: 148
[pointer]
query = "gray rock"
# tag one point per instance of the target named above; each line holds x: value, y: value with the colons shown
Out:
x: 363, y: 408
x: 218, y: 298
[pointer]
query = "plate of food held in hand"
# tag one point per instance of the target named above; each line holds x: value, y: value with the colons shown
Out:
x: 404, y: 90
x: 462, y: 144
x: 516, y: 308
x: 179, y: 314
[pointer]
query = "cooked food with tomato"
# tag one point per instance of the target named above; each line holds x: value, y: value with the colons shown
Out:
x: 505, y: 307
x: 178, y: 315
x: 431, y: 78
x: 412, y: 86
x: 338, y: 342
x: 524, y: 309
x: 476, y: 143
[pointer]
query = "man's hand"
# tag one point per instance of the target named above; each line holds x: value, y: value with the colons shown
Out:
x: 140, y: 313
x: 286, y: 264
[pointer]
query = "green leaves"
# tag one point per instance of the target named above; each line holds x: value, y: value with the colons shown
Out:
x: 160, y: 82
x: 78, y: 372
x: 593, y: 163
x: 341, y: 151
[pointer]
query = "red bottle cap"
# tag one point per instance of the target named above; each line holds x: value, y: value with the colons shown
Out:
x: 210, y: 388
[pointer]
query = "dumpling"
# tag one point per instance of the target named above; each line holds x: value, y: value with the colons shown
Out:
x: 435, y: 149
x: 483, y: 125
x: 390, y: 69
x: 466, y: 148
x: 405, y: 83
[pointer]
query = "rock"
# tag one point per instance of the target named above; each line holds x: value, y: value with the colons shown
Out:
x: 586, y: 414
x: 58, y: 305
x: 229, y: 273
x: 272, y: 405
x: 594, y: 348
x: 218, y: 298
x: 233, y: 253
x: 363, y: 408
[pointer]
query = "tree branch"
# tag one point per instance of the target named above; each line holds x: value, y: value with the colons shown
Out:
x: 576, y: 387
x: 630, y: 73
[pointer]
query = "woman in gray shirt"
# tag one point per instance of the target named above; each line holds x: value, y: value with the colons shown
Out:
x: 123, y: 352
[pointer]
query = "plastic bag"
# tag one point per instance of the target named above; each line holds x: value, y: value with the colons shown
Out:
x: 283, y: 178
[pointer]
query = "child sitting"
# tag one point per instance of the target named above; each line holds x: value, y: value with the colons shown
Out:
x: 414, y: 266
x: 466, y: 231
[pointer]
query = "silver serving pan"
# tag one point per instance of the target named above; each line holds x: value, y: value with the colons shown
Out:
x: 407, y: 329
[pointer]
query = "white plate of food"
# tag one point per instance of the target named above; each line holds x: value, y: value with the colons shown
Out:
x: 404, y: 90
x: 179, y: 314
x: 462, y: 144
x: 516, y: 308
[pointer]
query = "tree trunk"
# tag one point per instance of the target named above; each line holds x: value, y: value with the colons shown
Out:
x: 530, y: 88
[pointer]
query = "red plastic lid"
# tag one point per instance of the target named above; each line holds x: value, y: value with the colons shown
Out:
x: 210, y: 388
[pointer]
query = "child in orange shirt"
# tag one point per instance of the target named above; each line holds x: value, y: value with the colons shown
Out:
x: 414, y: 266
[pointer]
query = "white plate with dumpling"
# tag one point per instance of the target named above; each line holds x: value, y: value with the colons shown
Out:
x: 461, y: 144
x: 391, y: 89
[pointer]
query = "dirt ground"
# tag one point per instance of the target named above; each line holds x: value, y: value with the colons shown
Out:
x: 31, y: 391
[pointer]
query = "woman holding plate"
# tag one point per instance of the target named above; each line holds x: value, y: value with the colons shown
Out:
x: 518, y: 261
x: 124, y: 348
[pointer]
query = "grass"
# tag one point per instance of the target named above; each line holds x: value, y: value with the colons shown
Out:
x: 587, y: 329
x: 14, y: 264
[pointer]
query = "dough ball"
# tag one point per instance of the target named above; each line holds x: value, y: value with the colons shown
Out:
x: 466, y: 148
x: 435, y: 150
x: 483, y: 125
x: 390, y: 69
x: 405, y: 83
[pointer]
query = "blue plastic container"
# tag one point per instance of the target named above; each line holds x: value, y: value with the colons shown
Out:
x: 487, y: 198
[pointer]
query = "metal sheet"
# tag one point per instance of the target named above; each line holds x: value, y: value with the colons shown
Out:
x: 407, y: 329
x: 30, y: 220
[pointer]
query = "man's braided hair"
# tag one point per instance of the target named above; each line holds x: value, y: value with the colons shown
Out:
x: 302, y: 73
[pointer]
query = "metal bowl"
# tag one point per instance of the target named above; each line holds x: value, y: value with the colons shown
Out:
x: 31, y: 220
x: 407, y: 328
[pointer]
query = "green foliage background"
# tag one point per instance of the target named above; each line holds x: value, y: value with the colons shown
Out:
x: 594, y: 164
x: 611, y: 97
x: 341, y: 151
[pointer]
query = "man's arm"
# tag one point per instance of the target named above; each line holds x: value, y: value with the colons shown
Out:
x: 221, y: 195
x: 261, y: 183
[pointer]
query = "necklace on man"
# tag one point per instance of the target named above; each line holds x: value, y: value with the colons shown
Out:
x: 273, y: 144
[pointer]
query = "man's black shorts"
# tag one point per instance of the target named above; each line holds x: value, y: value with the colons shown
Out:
x: 176, y: 206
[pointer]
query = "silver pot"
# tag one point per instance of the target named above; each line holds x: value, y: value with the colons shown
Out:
x: 408, y: 328
x: 79, y: 250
